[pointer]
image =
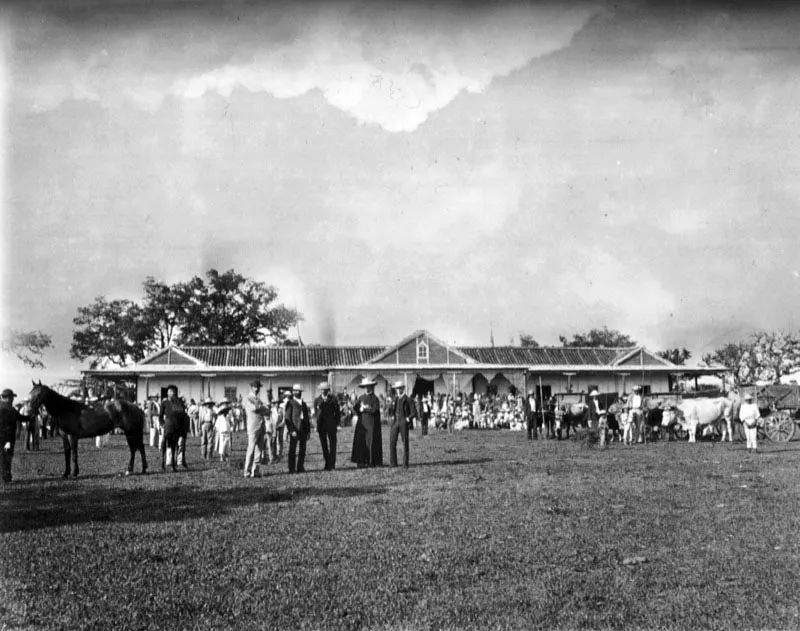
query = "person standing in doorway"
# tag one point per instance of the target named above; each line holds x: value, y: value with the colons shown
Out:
x: 326, y: 416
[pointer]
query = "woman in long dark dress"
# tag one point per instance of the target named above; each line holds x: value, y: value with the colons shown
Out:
x: 367, y: 440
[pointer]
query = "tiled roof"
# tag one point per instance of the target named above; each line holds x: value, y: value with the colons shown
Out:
x: 543, y: 356
x: 283, y: 356
x: 343, y: 356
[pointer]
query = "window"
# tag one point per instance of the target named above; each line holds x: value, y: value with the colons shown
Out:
x: 422, y: 351
x: 230, y: 394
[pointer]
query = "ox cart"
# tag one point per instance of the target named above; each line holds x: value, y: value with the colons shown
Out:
x: 780, y: 410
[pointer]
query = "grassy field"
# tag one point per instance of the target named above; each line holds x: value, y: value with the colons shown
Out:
x: 485, y: 531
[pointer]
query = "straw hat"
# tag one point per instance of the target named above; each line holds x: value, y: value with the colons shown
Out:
x: 399, y: 384
x: 223, y: 406
x: 324, y: 386
x: 208, y: 401
x: 297, y: 388
x: 366, y: 381
x: 594, y: 393
x: 748, y: 397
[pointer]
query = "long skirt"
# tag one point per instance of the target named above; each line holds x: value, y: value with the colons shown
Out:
x: 368, y: 442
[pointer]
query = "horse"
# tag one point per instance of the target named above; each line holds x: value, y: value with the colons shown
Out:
x: 76, y: 420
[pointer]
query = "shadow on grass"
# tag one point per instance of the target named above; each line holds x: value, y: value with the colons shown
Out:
x: 64, y: 506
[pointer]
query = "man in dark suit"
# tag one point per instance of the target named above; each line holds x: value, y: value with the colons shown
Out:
x: 10, y: 418
x: 326, y: 416
x: 298, y: 424
x: 403, y: 412
x: 174, y: 420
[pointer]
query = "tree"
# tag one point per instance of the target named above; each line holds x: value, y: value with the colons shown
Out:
x: 677, y: 356
x: 763, y: 356
x: 228, y: 309
x: 604, y: 337
x: 28, y: 346
x: 223, y: 309
x: 116, y: 331
x: 526, y: 340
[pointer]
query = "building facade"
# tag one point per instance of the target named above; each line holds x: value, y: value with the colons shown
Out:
x: 421, y: 360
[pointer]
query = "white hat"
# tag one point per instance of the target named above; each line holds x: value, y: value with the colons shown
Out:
x: 748, y: 396
x: 399, y: 384
x: 297, y: 386
x: 324, y: 386
x: 594, y: 393
x: 366, y: 381
x: 208, y: 401
x: 637, y: 388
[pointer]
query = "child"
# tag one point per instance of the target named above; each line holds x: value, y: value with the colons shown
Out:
x: 223, y: 428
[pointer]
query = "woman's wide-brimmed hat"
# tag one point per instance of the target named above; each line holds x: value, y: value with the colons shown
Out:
x: 366, y: 381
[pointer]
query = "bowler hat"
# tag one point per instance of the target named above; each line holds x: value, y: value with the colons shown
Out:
x: 8, y: 393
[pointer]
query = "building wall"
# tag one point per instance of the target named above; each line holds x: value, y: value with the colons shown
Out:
x: 196, y: 387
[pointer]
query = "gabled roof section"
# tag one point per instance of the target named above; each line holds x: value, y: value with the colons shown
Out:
x: 640, y: 356
x: 458, y: 356
x: 542, y: 355
x: 170, y: 356
x: 283, y: 356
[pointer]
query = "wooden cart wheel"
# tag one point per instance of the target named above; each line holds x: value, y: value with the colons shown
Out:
x: 779, y: 426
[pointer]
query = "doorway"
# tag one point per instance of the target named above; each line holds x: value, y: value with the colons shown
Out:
x: 422, y: 387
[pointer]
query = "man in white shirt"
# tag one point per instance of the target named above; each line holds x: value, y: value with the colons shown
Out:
x: 749, y: 414
x: 635, y: 413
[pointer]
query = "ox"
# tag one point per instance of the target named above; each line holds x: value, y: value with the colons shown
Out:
x: 717, y: 413
x: 570, y: 416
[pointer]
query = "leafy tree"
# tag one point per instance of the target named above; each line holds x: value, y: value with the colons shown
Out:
x: 604, y: 337
x: 763, y: 356
x: 28, y: 346
x: 229, y: 309
x: 526, y: 340
x: 678, y: 356
x: 163, y: 310
x: 222, y: 309
x: 115, y: 331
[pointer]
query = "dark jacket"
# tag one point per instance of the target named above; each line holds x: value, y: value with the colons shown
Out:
x: 9, y: 417
x: 298, y: 418
x: 403, y: 410
x: 174, y: 417
x: 326, y: 414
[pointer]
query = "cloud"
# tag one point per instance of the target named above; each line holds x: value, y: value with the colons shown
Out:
x: 429, y: 58
x: 388, y: 66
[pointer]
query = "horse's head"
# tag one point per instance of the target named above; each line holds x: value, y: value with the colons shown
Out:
x: 37, y: 395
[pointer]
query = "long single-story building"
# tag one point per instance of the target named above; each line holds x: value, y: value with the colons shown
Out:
x: 421, y: 360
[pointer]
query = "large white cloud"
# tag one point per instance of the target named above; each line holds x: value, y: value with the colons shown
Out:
x: 382, y: 65
x: 430, y: 57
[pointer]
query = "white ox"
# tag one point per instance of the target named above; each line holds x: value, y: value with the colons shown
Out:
x: 706, y: 413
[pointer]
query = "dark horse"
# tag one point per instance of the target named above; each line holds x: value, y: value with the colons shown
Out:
x: 81, y: 421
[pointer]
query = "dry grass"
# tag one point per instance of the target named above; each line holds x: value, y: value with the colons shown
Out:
x: 485, y: 531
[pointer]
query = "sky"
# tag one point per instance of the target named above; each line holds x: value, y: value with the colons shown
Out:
x: 467, y: 168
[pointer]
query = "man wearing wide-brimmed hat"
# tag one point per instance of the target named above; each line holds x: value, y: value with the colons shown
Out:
x: 326, y: 417
x: 9, y: 419
x: 749, y: 415
x: 256, y: 414
x: 298, y: 424
x: 635, y: 414
x: 403, y: 413
x: 367, y: 440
